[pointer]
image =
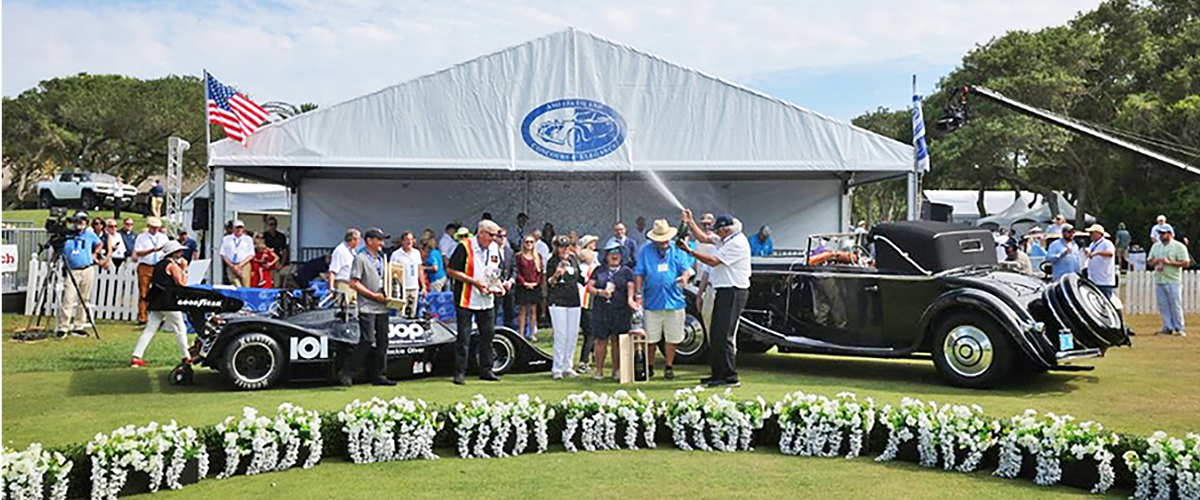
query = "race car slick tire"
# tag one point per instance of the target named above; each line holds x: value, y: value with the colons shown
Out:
x: 971, y: 350
x: 253, y: 361
x: 504, y: 353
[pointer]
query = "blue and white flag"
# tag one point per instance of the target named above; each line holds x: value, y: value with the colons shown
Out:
x: 920, y: 150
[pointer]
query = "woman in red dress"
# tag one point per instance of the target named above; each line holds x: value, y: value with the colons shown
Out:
x: 263, y: 262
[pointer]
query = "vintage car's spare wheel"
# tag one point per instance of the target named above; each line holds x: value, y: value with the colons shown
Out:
x: 1089, y: 308
x: 505, y: 353
x: 971, y: 350
x: 695, y: 342
x: 253, y: 361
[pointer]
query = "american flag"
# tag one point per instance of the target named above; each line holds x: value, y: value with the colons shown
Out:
x: 235, y: 112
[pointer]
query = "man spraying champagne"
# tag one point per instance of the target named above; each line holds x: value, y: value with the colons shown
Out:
x: 730, y: 276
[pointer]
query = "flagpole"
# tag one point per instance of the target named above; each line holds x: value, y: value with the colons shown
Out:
x: 211, y: 242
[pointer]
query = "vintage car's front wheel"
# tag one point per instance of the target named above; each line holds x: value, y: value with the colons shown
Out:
x: 971, y: 350
x: 253, y: 361
x: 695, y: 341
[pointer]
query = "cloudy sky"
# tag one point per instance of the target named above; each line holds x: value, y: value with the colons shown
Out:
x: 840, y: 58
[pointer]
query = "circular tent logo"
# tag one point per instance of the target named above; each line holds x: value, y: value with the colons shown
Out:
x: 573, y: 130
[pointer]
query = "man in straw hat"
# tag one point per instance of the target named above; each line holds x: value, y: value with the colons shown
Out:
x: 730, y: 275
x: 1101, y: 263
x: 1063, y: 254
x: 660, y: 272
x: 147, y: 250
x: 1168, y: 257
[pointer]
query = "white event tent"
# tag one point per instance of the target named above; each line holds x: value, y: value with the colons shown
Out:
x: 561, y: 127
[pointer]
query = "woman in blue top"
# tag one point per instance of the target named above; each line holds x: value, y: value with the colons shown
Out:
x: 435, y: 269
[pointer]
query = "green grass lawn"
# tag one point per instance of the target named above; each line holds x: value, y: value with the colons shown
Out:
x: 38, y: 216
x: 62, y: 392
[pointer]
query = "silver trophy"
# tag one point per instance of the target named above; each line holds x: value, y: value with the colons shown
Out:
x: 495, y: 285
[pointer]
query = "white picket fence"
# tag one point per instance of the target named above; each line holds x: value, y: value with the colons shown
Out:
x: 1137, y: 292
x: 114, y: 293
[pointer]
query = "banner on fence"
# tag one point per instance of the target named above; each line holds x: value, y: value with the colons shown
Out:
x: 8, y: 259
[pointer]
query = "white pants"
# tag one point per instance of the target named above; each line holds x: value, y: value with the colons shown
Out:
x: 172, y: 321
x: 72, y: 316
x: 565, y: 321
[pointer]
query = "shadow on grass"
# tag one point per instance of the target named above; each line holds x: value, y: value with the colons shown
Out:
x: 106, y: 382
x: 917, y: 376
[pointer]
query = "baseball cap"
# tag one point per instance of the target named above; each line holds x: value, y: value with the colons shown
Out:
x: 375, y: 233
x: 81, y: 215
x: 239, y: 223
x: 153, y: 222
x: 723, y: 220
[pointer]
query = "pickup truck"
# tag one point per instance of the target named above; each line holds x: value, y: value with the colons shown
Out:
x: 89, y: 191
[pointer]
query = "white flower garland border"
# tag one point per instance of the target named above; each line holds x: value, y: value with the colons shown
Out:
x: 1159, y: 474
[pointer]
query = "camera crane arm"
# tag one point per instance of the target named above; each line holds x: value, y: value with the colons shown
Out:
x: 1065, y: 122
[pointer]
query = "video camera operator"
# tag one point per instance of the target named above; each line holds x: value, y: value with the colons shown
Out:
x: 82, y: 252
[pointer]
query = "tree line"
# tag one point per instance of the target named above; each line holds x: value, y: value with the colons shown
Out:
x: 1130, y: 66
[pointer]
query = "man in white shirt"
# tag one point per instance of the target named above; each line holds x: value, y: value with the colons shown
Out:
x: 730, y: 275
x: 414, y: 279
x: 147, y: 250
x: 339, y: 268
x: 448, y: 242
x: 1101, y: 265
x: 1160, y: 227
x: 475, y: 269
x: 706, y: 293
x: 542, y: 249
x: 236, y: 250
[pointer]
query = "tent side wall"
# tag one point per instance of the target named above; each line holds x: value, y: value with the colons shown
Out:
x: 794, y: 208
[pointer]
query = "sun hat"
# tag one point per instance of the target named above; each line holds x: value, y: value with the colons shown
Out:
x: 462, y: 232
x: 613, y: 246
x: 586, y: 239
x: 661, y: 231
x: 171, y: 247
x: 1095, y: 228
x: 707, y: 218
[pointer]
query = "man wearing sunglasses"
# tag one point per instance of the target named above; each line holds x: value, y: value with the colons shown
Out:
x: 476, y: 271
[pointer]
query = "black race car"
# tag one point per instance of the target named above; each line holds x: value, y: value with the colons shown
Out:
x: 299, y: 343
x: 915, y: 289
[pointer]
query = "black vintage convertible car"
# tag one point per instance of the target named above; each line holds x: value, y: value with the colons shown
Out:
x: 299, y: 342
x: 919, y: 289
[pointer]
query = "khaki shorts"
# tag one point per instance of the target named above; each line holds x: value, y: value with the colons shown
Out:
x: 659, y: 324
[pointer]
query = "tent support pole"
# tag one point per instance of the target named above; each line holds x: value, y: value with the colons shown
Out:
x: 619, y: 199
x: 216, y: 225
x: 294, y: 223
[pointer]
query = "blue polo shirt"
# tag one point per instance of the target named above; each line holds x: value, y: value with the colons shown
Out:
x: 659, y: 272
x: 1063, y: 262
x: 79, y: 250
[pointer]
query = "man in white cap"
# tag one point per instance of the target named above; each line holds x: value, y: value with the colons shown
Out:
x: 1160, y: 225
x: 660, y: 273
x: 1168, y: 257
x: 236, y: 250
x: 1101, y: 263
x: 731, y: 277
x: 147, y: 250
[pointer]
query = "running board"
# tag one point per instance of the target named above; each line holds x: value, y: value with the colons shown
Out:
x: 792, y: 343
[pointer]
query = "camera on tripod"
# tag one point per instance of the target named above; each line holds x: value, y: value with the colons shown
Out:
x: 60, y: 227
